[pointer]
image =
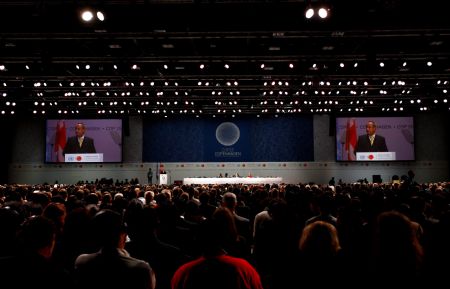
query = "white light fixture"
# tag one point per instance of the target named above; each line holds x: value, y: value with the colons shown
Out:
x: 87, y: 15
x: 100, y: 16
x: 323, y: 13
x: 309, y: 13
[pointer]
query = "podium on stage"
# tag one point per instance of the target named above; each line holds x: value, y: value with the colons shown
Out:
x: 375, y: 156
x: 83, y: 158
x: 163, y: 179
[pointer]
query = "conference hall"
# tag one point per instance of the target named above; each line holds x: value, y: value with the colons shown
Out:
x: 170, y: 144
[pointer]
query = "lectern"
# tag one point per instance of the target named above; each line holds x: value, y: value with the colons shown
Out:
x: 163, y: 179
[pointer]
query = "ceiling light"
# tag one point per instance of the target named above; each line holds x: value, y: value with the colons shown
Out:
x: 100, y: 16
x: 309, y: 13
x: 323, y: 13
x: 87, y: 15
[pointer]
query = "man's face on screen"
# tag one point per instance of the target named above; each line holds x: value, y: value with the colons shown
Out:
x: 79, y: 130
x: 370, y: 128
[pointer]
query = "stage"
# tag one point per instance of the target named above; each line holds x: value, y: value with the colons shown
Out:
x: 235, y: 180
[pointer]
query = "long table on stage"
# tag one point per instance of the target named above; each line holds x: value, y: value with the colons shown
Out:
x: 219, y: 181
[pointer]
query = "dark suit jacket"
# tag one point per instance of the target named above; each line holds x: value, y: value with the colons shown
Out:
x: 111, y: 269
x: 72, y: 146
x: 363, y: 144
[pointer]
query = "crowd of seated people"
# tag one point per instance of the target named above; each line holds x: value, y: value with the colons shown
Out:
x: 107, y: 234
x: 110, y: 182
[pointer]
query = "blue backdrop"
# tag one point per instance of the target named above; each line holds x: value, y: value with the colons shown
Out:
x: 286, y: 138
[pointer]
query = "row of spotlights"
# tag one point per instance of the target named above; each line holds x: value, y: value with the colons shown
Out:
x: 202, y: 66
x: 322, y: 12
x: 88, y: 15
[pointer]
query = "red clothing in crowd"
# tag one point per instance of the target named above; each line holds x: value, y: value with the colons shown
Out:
x: 219, y: 272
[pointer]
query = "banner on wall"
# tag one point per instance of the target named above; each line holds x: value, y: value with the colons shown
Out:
x: 228, y: 140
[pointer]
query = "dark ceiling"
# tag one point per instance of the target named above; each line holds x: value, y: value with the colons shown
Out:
x: 258, y: 57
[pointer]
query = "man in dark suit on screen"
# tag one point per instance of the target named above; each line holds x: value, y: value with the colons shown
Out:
x: 79, y: 144
x: 371, y: 142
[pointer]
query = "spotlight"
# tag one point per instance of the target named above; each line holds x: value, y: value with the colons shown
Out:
x: 323, y: 13
x: 100, y: 16
x: 87, y: 15
x: 309, y: 13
